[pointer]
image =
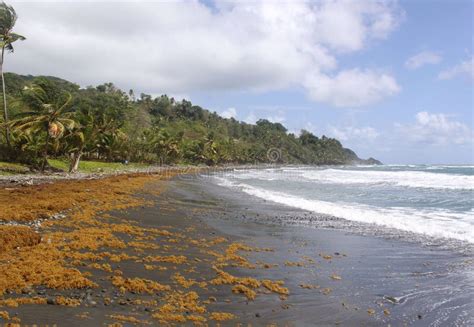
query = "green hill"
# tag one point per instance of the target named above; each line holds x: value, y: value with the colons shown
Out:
x: 117, y: 126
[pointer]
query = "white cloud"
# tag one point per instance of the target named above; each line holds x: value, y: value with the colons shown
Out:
x: 465, y: 68
x: 353, y: 133
x: 183, y: 47
x: 351, y: 88
x: 251, y: 118
x: 229, y: 113
x: 278, y: 117
x: 423, y: 58
x: 436, y: 129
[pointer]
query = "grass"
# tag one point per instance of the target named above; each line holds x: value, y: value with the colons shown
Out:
x: 8, y: 168
x: 93, y: 166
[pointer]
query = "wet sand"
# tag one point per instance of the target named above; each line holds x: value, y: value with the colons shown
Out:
x: 403, y: 282
x: 333, y: 278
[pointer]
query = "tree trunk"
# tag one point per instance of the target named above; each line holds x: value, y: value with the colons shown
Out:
x: 45, y: 153
x: 5, y: 111
x: 75, y: 158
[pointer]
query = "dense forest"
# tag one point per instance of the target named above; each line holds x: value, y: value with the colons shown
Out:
x: 51, y: 117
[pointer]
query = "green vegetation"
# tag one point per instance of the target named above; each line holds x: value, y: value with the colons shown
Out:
x: 8, y: 19
x: 8, y: 168
x: 93, y: 166
x: 56, y: 119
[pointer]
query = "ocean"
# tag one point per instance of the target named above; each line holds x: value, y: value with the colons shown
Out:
x: 432, y: 204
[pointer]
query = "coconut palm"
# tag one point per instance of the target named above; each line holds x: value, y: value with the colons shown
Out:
x: 48, y: 113
x: 8, y: 19
x: 75, y: 142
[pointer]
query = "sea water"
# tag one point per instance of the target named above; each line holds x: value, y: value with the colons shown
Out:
x: 434, y: 202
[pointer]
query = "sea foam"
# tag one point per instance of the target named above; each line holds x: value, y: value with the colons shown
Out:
x: 438, y: 223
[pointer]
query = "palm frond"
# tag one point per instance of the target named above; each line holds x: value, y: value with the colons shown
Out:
x: 67, y: 122
x: 16, y: 37
x: 66, y: 103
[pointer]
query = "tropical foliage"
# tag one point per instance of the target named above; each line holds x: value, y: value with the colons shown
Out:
x: 8, y: 19
x: 53, y: 117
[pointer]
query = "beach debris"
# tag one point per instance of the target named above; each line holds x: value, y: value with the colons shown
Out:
x: 309, y: 286
x: 187, y: 283
x: 249, y: 293
x: 129, y: 319
x: 269, y: 265
x: 138, y: 285
x: 294, y: 264
x: 91, y: 241
x: 224, y: 278
x: 66, y: 301
x: 335, y: 277
x: 4, y: 315
x: 222, y: 316
x: 180, y: 307
x: 275, y: 286
x: 326, y: 291
x: 325, y: 256
x: 170, y: 259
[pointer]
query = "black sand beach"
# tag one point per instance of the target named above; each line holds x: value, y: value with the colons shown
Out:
x: 417, y: 285
x: 334, y: 277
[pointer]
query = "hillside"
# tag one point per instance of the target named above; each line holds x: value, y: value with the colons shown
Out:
x: 112, y: 125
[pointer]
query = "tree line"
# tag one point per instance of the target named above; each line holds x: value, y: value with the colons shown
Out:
x: 51, y: 117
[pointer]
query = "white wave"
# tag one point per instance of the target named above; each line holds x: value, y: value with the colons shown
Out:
x: 398, y: 178
x: 437, y: 223
x: 410, y: 178
x: 444, y: 167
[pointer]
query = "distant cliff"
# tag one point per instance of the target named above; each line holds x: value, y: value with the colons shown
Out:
x: 352, y: 158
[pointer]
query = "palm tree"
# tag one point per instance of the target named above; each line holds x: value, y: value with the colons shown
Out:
x: 48, y: 113
x: 75, y: 142
x: 8, y: 19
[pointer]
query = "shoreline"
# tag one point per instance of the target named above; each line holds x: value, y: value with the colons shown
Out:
x: 416, y: 283
x: 328, y: 273
x: 35, y: 178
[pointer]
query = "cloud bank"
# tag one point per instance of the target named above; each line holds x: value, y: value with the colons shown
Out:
x: 436, y: 129
x: 184, y: 47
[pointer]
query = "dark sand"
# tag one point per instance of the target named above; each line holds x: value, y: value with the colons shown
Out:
x: 429, y: 287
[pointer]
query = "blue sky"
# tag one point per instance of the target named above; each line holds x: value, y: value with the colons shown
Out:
x: 442, y: 27
x: 392, y: 80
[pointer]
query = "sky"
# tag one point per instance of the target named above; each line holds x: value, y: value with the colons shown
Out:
x: 390, y: 79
